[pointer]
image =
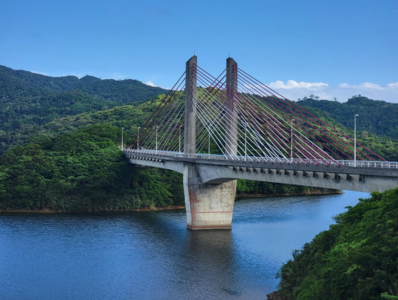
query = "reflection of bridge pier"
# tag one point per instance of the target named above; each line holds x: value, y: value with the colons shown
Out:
x: 209, y: 206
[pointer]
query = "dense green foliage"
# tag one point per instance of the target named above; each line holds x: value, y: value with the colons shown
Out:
x: 18, y: 84
x: 29, y: 100
x: 128, y: 117
x: 82, y: 171
x: 375, y: 116
x: 384, y: 146
x: 86, y: 171
x: 357, y: 258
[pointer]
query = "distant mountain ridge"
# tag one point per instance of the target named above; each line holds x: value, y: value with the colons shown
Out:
x: 29, y: 99
x: 375, y: 116
x: 13, y: 82
x: 32, y: 104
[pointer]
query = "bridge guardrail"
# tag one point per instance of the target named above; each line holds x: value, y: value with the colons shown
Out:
x: 349, y: 163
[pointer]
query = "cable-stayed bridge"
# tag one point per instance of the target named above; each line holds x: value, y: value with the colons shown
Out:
x: 215, y: 130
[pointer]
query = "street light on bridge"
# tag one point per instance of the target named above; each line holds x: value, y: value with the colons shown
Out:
x: 138, y: 139
x: 245, y: 141
x: 121, y: 147
x: 291, y: 139
x: 355, y: 139
x: 179, y: 140
x: 209, y: 144
x: 156, y: 139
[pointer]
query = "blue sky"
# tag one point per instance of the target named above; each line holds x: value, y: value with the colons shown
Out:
x: 325, y: 48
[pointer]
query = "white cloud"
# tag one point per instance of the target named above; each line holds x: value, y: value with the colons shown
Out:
x: 292, y: 84
x: 365, y: 85
x: 150, y: 83
x: 294, y: 90
x: 392, y: 85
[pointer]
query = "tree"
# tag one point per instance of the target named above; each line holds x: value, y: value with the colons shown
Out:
x: 16, y: 125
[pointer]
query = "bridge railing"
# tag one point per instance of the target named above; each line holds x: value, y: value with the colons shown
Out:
x: 349, y: 163
x: 370, y: 164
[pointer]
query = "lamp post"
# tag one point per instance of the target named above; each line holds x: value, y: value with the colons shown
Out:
x: 209, y: 145
x: 179, y: 140
x: 291, y: 139
x: 121, y: 147
x: 355, y: 139
x: 245, y: 140
x: 138, y: 139
x: 157, y: 139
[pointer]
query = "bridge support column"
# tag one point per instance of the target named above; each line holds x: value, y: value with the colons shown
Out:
x: 209, y: 206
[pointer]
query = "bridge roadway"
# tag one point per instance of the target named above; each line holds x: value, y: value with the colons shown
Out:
x: 216, y: 169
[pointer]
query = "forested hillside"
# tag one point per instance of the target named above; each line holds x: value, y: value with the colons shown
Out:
x: 82, y: 171
x: 375, y: 116
x: 16, y: 83
x: 384, y: 146
x: 28, y: 99
x: 130, y: 117
x: 86, y: 171
x: 127, y: 116
x: 356, y: 258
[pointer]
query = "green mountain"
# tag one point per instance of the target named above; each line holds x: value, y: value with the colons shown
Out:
x: 29, y: 100
x: 127, y: 116
x: 375, y: 116
x: 19, y: 83
x: 132, y: 116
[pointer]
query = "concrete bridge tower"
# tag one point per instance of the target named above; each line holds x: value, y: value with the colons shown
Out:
x: 209, y: 206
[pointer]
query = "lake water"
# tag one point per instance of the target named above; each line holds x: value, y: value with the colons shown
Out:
x: 151, y: 255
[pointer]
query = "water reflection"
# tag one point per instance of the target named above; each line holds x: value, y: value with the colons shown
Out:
x: 151, y: 255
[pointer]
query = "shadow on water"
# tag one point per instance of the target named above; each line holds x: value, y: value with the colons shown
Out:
x: 202, y: 261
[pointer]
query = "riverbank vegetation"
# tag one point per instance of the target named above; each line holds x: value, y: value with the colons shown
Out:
x: 86, y: 171
x: 357, y: 258
x: 82, y: 171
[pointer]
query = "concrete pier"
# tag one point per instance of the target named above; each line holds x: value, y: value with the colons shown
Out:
x: 208, y: 206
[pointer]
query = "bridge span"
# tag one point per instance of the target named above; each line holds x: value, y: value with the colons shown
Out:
x: 260, y: 136
x: 216, y: 169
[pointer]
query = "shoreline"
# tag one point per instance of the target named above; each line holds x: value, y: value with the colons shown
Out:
x: 171, y: 207
x: 49, y: 211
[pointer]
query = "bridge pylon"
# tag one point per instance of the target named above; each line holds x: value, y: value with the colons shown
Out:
x: 208, y: 206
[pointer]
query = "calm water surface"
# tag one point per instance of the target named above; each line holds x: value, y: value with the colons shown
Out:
x: 151, y: 255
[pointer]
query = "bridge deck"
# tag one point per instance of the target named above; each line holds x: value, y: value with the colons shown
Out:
x: 385, y: 169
